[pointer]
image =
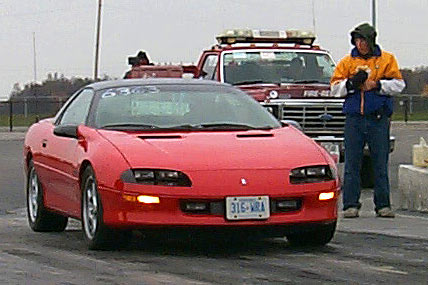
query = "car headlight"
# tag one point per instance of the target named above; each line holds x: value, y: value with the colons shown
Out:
x: 156, y: 177
x: 312, y: 174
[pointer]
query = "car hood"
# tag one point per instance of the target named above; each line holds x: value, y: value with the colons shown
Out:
x: 283, y: 148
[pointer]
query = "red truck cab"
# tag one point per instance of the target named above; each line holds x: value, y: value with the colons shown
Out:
x: 269, y: 64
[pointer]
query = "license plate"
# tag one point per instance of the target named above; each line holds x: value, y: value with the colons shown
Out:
x: 247, y: 208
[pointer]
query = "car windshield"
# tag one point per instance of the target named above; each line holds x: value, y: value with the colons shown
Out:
x: 269, y: 66
x: 179, y: 107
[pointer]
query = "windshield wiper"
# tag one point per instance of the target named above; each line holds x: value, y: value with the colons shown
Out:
x: 210, y: 126
x: 233, y: 126
x: 129, y: 126
x: 309, y: 81
x: 184, y: 127
x: 249, y: 82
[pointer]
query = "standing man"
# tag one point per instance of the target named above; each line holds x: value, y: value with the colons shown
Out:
x: 367, y: 78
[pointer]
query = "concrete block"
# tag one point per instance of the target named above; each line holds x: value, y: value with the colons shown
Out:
x: 413, y: 188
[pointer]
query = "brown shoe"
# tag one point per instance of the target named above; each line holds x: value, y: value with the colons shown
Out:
x: 351, y: 213
x: 385, y: 212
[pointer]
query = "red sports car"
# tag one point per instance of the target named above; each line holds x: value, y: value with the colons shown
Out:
x: 176, y: 154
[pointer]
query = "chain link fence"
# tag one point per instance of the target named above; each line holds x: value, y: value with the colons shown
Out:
x: 410, y: 107
x: 26, y: 111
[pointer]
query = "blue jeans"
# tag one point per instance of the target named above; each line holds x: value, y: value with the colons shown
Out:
x: 360, y: 130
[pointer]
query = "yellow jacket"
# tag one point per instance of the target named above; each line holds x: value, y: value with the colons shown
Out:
x: 381, y: 67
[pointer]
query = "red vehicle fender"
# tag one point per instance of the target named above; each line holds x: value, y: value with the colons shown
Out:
x: 106, y: 160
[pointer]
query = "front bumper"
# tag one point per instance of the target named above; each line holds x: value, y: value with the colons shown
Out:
x: 121, y: 213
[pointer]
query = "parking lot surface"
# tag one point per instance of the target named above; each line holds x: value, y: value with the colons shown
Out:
x: 367, y: 250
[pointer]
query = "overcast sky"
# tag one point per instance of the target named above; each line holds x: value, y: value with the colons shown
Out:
x: 178, y: 30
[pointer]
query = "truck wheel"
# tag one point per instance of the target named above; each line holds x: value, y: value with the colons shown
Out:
x: 367, y: 176
x: 39, y: 218
x: 319, y: 237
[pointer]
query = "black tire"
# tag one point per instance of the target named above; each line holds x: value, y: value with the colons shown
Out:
x: 97, y: 235
x: 39, y: 218
x: 319, y: 237
x: 367, y: 176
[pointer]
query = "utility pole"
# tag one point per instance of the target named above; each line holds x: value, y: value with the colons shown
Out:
x: 34, y: 57
x: 313, y: 16
x: 374, y: 13
x: 35, y: 80
x: 97, y: 41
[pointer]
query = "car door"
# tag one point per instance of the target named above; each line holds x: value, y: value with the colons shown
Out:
x: 62, y: 155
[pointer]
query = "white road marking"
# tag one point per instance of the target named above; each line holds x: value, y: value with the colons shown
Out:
x: 389, y: 269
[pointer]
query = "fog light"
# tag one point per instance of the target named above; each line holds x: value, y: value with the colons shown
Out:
x: 326, y: 196
x: 196, y: 206
x: 148, y: 199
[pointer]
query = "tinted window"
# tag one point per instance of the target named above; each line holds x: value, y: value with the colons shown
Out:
x: 168, y: 106
x: 242, y: 67
x: 77, y: 112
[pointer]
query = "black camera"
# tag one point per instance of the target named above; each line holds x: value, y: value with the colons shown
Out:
x: 133, y: 60
x: 141, y: 58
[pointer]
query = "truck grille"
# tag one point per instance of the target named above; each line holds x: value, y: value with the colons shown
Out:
x: 317, y: 117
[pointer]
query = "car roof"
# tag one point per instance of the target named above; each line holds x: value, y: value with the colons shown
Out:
x: 154, y: 81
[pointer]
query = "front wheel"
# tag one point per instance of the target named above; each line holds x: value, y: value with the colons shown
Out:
x: 39, y: 218
x: 96, y: 234
x: 318, y: 237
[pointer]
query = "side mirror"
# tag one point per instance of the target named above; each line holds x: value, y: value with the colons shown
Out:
x: 293, y: 123
x: 68, y: 131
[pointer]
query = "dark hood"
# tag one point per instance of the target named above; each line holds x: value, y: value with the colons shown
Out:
x: 367, y: 32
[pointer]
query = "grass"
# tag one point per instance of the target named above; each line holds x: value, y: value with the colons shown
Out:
x: 21, y: 120
x: 420, y: 116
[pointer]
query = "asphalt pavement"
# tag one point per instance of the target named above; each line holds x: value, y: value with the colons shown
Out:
x: 362, y: 252
x: 365, y: 250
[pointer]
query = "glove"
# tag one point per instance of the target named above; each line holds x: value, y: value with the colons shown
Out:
x: 357, y: 80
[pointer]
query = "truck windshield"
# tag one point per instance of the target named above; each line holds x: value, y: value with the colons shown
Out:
x: 268, y: 66
x: 181, y: 106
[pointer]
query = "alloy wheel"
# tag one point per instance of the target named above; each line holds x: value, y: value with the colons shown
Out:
x: 33, y: 194
x: 90, y: 207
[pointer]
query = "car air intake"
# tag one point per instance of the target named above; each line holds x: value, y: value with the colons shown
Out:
x: 254, y: 135
x: 160, y: 137
x: 202, y: 207
x: 285, y: 205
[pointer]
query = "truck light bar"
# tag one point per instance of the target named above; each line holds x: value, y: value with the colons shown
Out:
x: 266, y: 36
